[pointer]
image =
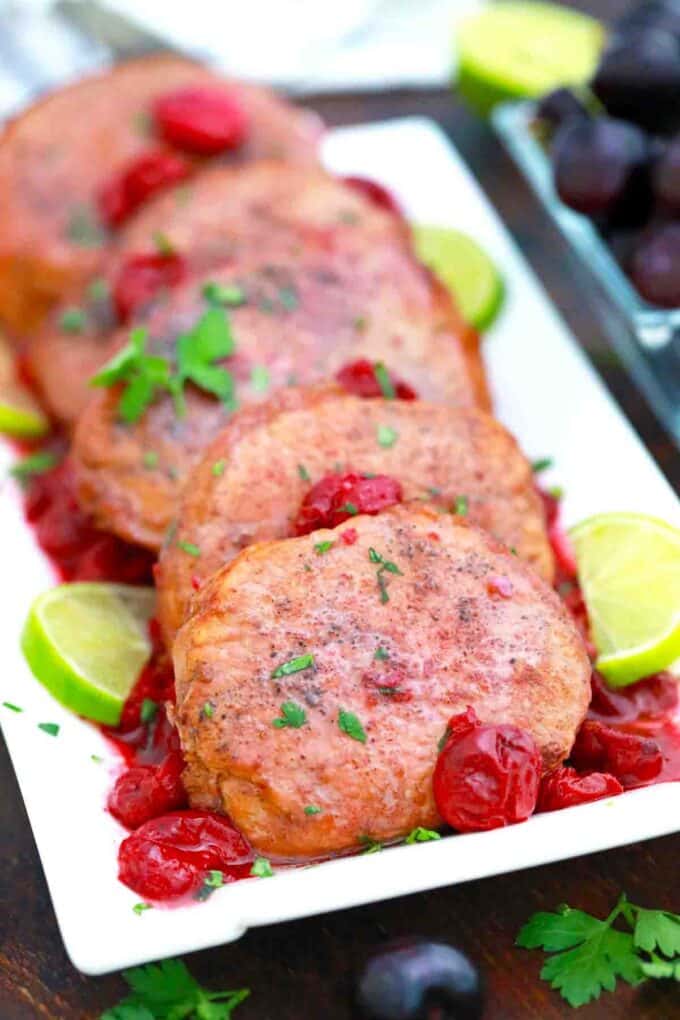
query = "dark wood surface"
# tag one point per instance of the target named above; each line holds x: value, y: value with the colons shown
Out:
x: 303, y: 969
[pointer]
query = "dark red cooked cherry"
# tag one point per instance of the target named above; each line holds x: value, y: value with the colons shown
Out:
x: 666, y: 176
x: 655, y: 266
x: 638, y: 80
x: 376, y: 193
x: 201, y: 120
x: 559, y: 106
x: 599, y: 165
x: 565, y: 787
x: 147, y: 791
x: 651, y: 698
x: 336, y: 498
x: 142, y: 277
x: 170, y: 856
x: 361, y: 377
x: 634, y: 760
x: 486, y: 776
x: 413, y: 979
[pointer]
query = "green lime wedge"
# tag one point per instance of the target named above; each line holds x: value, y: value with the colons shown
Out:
x: 629, y: 569
x: 465, y: 268
x: 522, y: 50
x: 87, y: 642
x: 20, y: 415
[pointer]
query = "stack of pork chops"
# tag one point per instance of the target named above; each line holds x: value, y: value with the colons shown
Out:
x: 263, y: 385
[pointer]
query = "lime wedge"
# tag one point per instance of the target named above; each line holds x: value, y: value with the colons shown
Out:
x: 629, y: 569
x: 87, y: 642
x: 465, y: 268
x: 522, y: 50
x: 20, y: 415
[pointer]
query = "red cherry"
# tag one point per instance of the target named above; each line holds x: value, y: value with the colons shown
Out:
x: 140, y: 279
x: 359, y: 377
x: 201, y: 120
x: 170, y: 856
x: 335, y: 498
x: 376, y: 193
x: 486, y: 776
x: 633, y: 759
x: 565, y: 787
x: 147, y: 791
x: 127, y: 189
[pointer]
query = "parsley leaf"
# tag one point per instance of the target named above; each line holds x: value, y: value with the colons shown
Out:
x: 591, y: 954
x: 35, y: 464
x: 83, y: 227
x: 372, y: 846
x: 421, y: 835
x: 303, y: 473
x: 295, y: 665
x: 384, y: 382
x: 381, y: 655
x: 140, y: 908
x: 323, y: 547
x: 209, y: 340
x: 224, y: 294
x: 460, y: 506
x: 11, y: 706
x: 72, y: 320
x: 149, y: 710
x: 292, y: 715
x: 312, y: 809
x: 657, y: 929
x: 190, y: 548
x: 218, y: 467
x: 387, y: 436
x: 259, y: 378
x: 143, y: 373
x: 167, y: 990
x: 261, y: 868
x: 51, y: 728
x: 350, y: 724
x: 542, y: 465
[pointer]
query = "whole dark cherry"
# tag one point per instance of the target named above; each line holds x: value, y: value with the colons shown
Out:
x: 360, y: 378
x: 202, y: 120
x: 486, y: 776
x: 414, y: 979
x: 142, y: 277
x: 565, y: 787
x: 335, y: 498
x: 634, y: 760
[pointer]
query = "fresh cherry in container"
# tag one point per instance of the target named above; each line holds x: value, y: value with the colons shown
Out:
x: 486, y: 776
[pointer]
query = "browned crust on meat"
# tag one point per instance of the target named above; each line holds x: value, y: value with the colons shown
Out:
x: 55, y: 156
x: 258, y: 490
x: 516, y: 660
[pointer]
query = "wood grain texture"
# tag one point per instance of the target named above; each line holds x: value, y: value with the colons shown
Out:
x: 304, y: 968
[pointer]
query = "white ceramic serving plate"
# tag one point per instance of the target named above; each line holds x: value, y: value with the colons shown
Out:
x: 548, y: 395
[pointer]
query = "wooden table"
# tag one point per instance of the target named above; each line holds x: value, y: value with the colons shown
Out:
x: 303, y: 969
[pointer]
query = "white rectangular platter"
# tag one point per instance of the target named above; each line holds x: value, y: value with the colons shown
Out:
x: 548, y: 395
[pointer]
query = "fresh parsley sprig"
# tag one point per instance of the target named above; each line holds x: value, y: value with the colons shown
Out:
x: 167, y: 991
x: 589, y: 954
x: 143, y: 374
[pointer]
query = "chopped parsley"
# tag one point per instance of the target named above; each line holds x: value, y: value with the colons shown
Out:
x: 295, y: 665
x: 350, y: 508
x: 259, y: 378
x: 168, y: 989
x: 460, y: 506
x: 73, y: 320
x: 98, y: 289
x: 386, y: 566
x: 542, y: 465
x: 371, y: 845
x: 190, y: 548
x: 322, y: 547
x: 349, y: 723
x: 303, y: 473
x: 164, y: 245
x: 11, y: 707
x: 381, y: 655
x: 420, y: 835
x: 84, y: 228
x: 49, y: 727
x: 149, y: 710
x: 384, y: 382
x: 387, y: 436
x: 218, y: 468
x: 140, y: 908
x: 212, y: 881
x: 210, y: 340
x: 96, y: 758
x: 289, y: 298
x: 261, y: 868
x: 557, y: 492
x: 292, y: 715
x: 150, y: 459
x: 224, y: 294
x: 312, y: 809
x: 35, y: 464
x: 208, y: 710
x: 360, y: 323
